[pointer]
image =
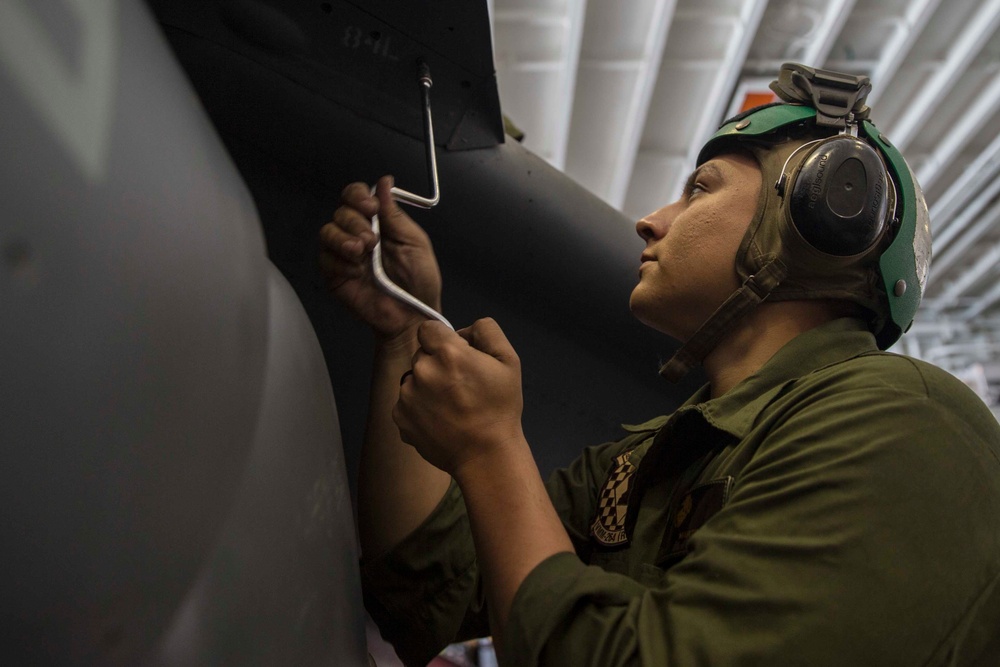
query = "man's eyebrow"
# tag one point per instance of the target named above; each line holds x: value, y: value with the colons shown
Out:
x: 708, y: 168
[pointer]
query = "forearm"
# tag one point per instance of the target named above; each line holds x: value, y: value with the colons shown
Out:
x: 514, y: 525
x: 397, y: 489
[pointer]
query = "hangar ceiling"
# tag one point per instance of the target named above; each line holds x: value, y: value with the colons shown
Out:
x: 621, y: 100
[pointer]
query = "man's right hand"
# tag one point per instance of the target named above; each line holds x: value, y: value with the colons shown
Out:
x: 347, y: 243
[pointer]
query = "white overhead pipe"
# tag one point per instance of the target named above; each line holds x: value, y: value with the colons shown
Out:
x: 969, y: 43
x: 977, y: 176
x: 968, y: 126
x: 964, y: 233
x: 918, y: 12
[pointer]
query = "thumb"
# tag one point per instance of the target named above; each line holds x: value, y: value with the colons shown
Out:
x: 392, y: 219
x: 486, y: 336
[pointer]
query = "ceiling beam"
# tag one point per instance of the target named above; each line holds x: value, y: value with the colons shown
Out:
x: 635, y: 119
x: 813, y: 47
x: 918, y: 12
x: 982, y: 266
x: 977, y: 176
x: 577, y: 11
x: 729, y: 72
x: 967, y: 127
x: 825, y: 35
x: 966, y: 46
x: 981, y: 304
x: 966, y: 351
x: 564, y: 26
x: 817, y: 48
x: 950, y: 328
x: 966, y: 235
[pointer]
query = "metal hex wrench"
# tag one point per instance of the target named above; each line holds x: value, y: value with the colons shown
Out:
x: 404, y: 196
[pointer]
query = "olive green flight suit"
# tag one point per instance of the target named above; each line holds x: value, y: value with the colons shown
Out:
x: 839, y: 507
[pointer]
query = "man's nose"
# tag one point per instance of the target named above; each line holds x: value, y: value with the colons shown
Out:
x: 654, y: 226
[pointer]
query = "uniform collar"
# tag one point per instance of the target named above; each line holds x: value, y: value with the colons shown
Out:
x: 736, y: 411
x: 709, y: 423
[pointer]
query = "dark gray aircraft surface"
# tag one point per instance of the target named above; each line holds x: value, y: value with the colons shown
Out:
x: 183, y: 402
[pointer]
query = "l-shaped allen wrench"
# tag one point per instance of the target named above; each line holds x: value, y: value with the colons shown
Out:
x: 406, y: 197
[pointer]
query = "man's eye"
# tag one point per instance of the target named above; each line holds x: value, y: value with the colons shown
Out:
x: 695, y: 189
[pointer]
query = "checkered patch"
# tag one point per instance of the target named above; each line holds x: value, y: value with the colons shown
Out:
x: 608, y: 528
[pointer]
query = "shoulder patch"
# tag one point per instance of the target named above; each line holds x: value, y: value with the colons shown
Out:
x: 608, y: 527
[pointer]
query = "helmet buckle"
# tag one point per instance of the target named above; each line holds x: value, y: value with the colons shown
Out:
x: 839, y: 99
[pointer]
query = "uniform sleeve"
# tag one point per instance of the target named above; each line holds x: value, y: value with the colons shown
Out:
x: 427, y: 593
x: 863, y: 531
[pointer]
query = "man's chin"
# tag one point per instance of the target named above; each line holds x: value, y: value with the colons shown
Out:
x: 653, y: 316
x: 640, y: 310
x: 633, y: 302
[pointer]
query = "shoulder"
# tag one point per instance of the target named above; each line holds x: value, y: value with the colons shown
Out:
x: 890, y: 407
x: 894, y: 378
x: 885, y: 370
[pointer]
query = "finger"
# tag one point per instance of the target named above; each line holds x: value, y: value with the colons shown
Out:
x: 338, y: 269
x: 352, y: 247
x: 433, y: 336
x: 353, y: 222
x: 486, y: 336
x: 359, y: 196
x: 424, y: 367
x: 399, y: 417
x: 396, y: 224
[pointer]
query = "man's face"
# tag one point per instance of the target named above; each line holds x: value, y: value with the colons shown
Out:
x: 689, y: 265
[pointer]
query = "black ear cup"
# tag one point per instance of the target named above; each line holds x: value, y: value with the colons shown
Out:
x: 839, y: 196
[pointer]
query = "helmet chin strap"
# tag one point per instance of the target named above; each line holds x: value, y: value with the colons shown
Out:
x: 755, y: 289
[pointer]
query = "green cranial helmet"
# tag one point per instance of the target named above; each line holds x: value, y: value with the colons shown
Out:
x: 840, y: 214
